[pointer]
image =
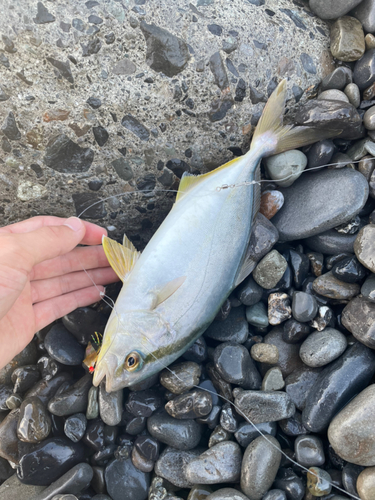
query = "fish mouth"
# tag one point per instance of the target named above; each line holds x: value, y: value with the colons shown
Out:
x: 106, y: 367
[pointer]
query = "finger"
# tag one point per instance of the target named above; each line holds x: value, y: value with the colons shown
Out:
x: 93, y: 235
x: 46, y: 289
x: 78, y: 259
x: 50, y: 310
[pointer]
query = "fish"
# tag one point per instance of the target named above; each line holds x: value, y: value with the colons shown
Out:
x: 173, y: 290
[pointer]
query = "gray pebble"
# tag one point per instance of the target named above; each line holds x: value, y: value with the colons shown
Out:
x: 257, y: 315
x: 365, y: 13
x: 364, y: 246
x: 304, y: 307
x: 234, y: 328
x: 229, y: 418
x: 353, y: 94
x: 249, y: 292
x: 171, y: 465
x: 299, y: 383
x: 320, y: 348
x: 75, y: 427
x: 285, y: 168
x: 359, y: 318
x: 368, y: 288
x: 74, y: 481
x: 247, y: 432
x: 333, y: 95
x: 93, y: 404
x: 260, y: 406
x: 329, y: 286
x: 309, y: 451
x: 181, y: 434
x: 369, y: 118
x: 273, y: 380
x: 234, y: 364
x: 184, y: 376
x: 331, y: 9
x: 275, y: 495
x: 227, y: 494
x: 219, y: 435
x: 110, y: 405
x: 270, y: 270
x: 338, y: 79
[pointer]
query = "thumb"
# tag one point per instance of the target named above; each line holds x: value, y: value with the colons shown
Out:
x: 49, y: 242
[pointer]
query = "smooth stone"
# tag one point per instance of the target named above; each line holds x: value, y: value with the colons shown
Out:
x: 49, y: 367
x: 331, y: 242
x: 72, y: 482
x: 349, y: 475
x: 275, y: 495
x: 219, y: 464
x: 285, y: 168
x: 49, y: 461
x: 304, y: 307
x: 349, y: 270
x: 332, y: 9
x: 368, y: 288
x: 140, y: 462
x: 257, y: 315
x: 13, y: 489
x: 34, y: 423
x: 72, y: 400
x: 273, y: 380
x: 299, y: 383
x: 184, y: 376
x: 227, y: 494
x: 347, y: 39
x: 329, y: 286
x: 318, y: 482
x: 263, y: 237
x: 300, y: 265
x: 75, y: 427
x: 62, y: 346
x: 316, y: 203
x: 369, y: 118
x: 320, y: 348
x: 229, y: 418
x: 365, y: 13
x: 199, y: 492
x: 289, y: 359
x: 5, y: 392
x: 249, y: 292
x: 287, y: 481
x: 219, y: 435
x: 364, y: 70
x: 261, y: 406
x: 181, y: 434
x: 366, y: 166
x: 309, y: 451
x: 246, y: 432
x: 143, y: 403
x: 92, y: 403
x: 270, y: 270
x: 293, y: 426
x: 148, y: 447
x: 364, y: 246
x: 234, y: 328
x: 8, y: 437
x: 24, y: 378
x: 353, y: 94
x: 198, y: 351
x: 359, y: 318
x: 338, y: 79
x: 28, y: 356
x: 366, y: 484
x: 336, y: 385
x: 294, y: 331
x: 193, y: 404
x: 270, y: 203
x: 370, y: 41
x: 172, y: 464
x: 321, y: 152
x: 265, y: 353
x: 332, y: 95
x: 234, y: 364
x: 279, y: 309
x: 83, y: 322
x: 121, y: 476
x: 110, y: 405
x: 260, y: 463
x: 94, y: 437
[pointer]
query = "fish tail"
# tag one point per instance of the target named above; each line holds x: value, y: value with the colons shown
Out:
x: 272, y: 137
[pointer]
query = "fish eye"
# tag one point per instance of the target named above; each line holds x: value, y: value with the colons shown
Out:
x: 133, y: 361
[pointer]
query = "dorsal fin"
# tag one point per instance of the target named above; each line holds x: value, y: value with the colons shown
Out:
x: 121, y: 258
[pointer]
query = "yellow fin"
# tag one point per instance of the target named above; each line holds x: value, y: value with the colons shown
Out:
x: 168, y: 289
x: 121, y: 258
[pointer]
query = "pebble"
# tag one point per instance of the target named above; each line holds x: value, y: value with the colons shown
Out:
x: 275, y: 495
x: 140, y: 462
x: 185, y: 375
x: 226, y: 494
x: 110, y: 405
x: 218, y: 70
x: 148, y: 447
x: 368, y: 288
x: 193, y: 404
x: 332, y: 95
x: 246, y: 432
x: 73, y: 482
x: 260, y: 464
x: 290, y: 483
x: 332, y: 9
x: 353, y: 94
x: 330, y: 242
x: 14, y: 401
x: 349, y: 270
x: 234, y: 329
x: 49, y: 460
x: 288, y: 165
x: 319, y: 482
x: 358, y: 317
x: 366, y: 484
x: 28, y: 356
x: 219, y: 435
x: 101, y: 135
x: 143, y: 403
x: 121, y: 475
x: 257, y: 315
x: 94, y: 437
x: 172, y: 464
x: 363, y: 247
x: 249, y: 292
x: 347, y: 39
x: 261, y: 406
x: 136, y: 127
x: 10, y: 128
x: 349, y: 476
x: 336, y: 385
x: 320, y: 348
x: 265, y: 353
x: 334, y: 196
x: 92, y: 403
x: 309, y: 451
x: 65, y: 156
x: 289, y: 359
x: 293, y: 426
x: 279, y: 309
x: 72, y: 400
x: 24, y: 378
x: 263, y: 237
x: 219, y: 464
x: 304, y: 307
x: 369, y: 118
x: 329, y: 286
x: 234, y: 364
x: 5, y: 392
x: 294, y: 331
x: 366, y: 166
x: 229, y: 418
x: 270, y: 270
x: 13, y: 489
x: 364, y: 70
x: 180, y: 434
x: 34, y: 422
x: 299, y: 383
x: 273, y: 380
x: 8, y: 437
x: 270, y: 203
x: 338, y: 79
x: 321, y: 152
x: 369, y: 41
x: 63, y: 347
x: 365, y: 13
x: 75, y: 427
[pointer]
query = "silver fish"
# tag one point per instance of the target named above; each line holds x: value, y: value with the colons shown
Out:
x: 172, y: 292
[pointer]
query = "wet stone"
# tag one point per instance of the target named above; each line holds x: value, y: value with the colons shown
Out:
x: 197, y: 352
x: 172, y: 466
x: 46, y: 389
x: 121, y: 475
x: 140, y: 462
x: 74, y: 481
x: 349, y: 270
x: 82, y: 322
x: 249, y: 292
x: 261, y: 406
x: 194, y: 404
x: 270, y: 203
x: 260, y: 463
x: 65, y: 156
x: 75, y: 427
x: 8, y: 437
x: 166, y: 53
x: 270, y: 270
x: 226, y: 494
x: 321, y: 152
x: 181, y: 434
x: 246, y: 432
x: 219, y: 464
x: 279, y: 309
x: 304, y: 307
x: 275, y: 495
x: 290, y: 483
x: 318, y: 482
x: 110, y: 405
x: 143, y: 403
x: 329, y: 286
x: 263, y: 237
x: 294, y: 331
x: 10, y: 128
x: 289, y: 359
x: 332, y: 9
x: 137, y: 128
x: 257, y: 315
x: 365, y: 13
x: 273, y: 380
x: 34, y: 423
x: 229, y: 419
x: 364, y: 70
x: 28, y: 356
x: 218, y: 436
x: 285, y: 168
x: 347, y: 39
x: 320, y: 348
x: 94, y: 437
x: 14, y: 401
x: 368, y: 288
x: 352, y: 93
x: 5, y: 392
x: 148, y: 447
x: 330, y: 242
x: 369, y: 118
x: 338, y: 79
x: 363, y: 246
x: 72, y: 400
x: 234, y: 364
x: 299, y: 383
x: 185, y: 375
x: 293, y: 426
x: 309, y: 451
x: 62, y: 346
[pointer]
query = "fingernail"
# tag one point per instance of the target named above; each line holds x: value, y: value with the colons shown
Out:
x: 74, y: 223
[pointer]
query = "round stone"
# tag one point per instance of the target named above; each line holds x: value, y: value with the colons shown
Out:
x: 366, y: 484
x: 285, y: 168
x: 347, y: 39
x: 309, y: 451
x: 368, y: 288
x: 353, y: 94
x: 364, y: 247
x: 270, y: 203
x: 75, y: 427
x: 319, y: 482
x: 369, y: 118
x: 370, y: 41
x: 304, y: 307
x: 320, y: 348
x: 249, y: 292
x: 234, y: 364
x: 329, y: 286
x: 333, y: 95
x: 181, y: 434
x: 227, y: 494
x: 364, y: 70
x: 257, y: 315
x: 359, y: 318
x: 34, y: 423
x: 261, y: 406
x: 62, y: 346
x: 183, y: 377
x: 265, y: 353
x: 273, y: 380
x: 270, y: 270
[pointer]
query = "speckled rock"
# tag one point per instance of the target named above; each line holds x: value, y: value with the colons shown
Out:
x: 363, y: 246
x: 329, y: 286
x: 270, y: 270
x: 172, y: 463
x: 261, y: 406
x: 347, y: 39
x: 358, y: 317
x: 366, y: 484
x: 279, y: 309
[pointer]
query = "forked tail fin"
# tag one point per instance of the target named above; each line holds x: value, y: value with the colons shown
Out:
x: 273, y: 137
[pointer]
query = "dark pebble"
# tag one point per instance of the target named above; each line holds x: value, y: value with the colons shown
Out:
x: 34, y: 422
x: 46, y: 389
x: 338, y: 79
x: 43, y: 16
x: 218, y: 70
x: 10, y: 128
x: 91, y: 48
x: 364, y: 70
x: 349, y: 477
x: 148, y: 447
x: 288, y: 481
x: 138, y: 129
x: 101, y: 135
x: 110, y: 405
x: 229, y: 418
x: 178, y: 167
x: 304, y: 307
x: 320, y: 153
x: 94, y: 437
x: 349, y: 270
x: 123, y: 169
x: 63, y: 68
x: 121, y: 476
x: 65, y: 156
x: 293, y: 426
x: 249, y: 292
x: 235, y: 365
x: 294, y: 331
x: 181, y: 434
x: 72, y: 400
x: 193, y: 404
x: 24, y: 378
x: 197, y: 352
x: 246, y: 433
x: 49, y: 367
x: 299, y: 383
x: 309, y: 451
x: 8, y: 437
x: 235, y: 328
x: 63, y: 347
x: 143, y: 403
x: 75, y: 427
x: 72, y: 482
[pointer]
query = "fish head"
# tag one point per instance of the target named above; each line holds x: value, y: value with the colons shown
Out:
x: 129, y: 353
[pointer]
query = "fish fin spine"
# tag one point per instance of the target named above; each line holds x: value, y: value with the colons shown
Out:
x: 121, y: 258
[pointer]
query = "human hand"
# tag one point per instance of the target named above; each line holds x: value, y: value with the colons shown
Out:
x: 42, y: 276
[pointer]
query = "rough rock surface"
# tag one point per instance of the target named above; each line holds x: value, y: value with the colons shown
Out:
x: 173, y: 91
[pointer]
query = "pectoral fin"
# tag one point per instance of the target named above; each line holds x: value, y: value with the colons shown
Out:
x: 121, y: 258
x: 164, y: 292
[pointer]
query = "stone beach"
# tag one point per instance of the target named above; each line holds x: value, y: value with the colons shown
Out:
x: 101, y: 98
